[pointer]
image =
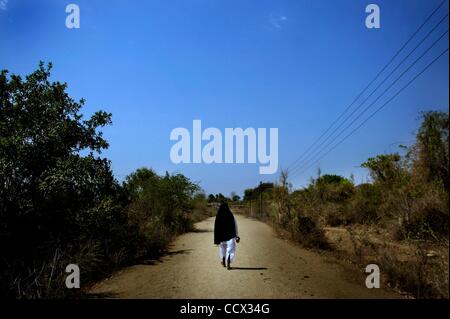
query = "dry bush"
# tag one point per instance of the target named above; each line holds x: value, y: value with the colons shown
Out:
x: 424, y: 275
x: 422, y: 272
x: 429, y: 216
x: 305, y: 230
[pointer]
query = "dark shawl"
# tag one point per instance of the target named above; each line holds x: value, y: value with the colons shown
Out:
x: 224, y: 226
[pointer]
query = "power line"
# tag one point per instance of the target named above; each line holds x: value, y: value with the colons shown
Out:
x: 370, y: 83
x: 390, y: 86
x: 379, y: 109
x: 319, y: 148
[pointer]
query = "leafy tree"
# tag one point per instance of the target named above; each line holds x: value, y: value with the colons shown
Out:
x: 385, y: 168
x: 221, y: 198
x: 176, y: 191
x: 249, y: 194
x: 200, y: 196
x: 211, y: 198
x: 137, y: 182
x: 331, y: 187
x: 365, y: 204
x: 432, y: 147
x: 52, y: 197
x: 166, y: 199
x: 331, y: 179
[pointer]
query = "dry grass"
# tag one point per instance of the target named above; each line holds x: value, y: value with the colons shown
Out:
x: 418, y: 268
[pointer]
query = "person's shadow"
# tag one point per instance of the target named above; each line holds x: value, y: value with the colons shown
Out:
x: 248, y: 268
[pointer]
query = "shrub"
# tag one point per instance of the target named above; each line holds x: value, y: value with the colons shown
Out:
x: 162, y: 207
x: 306, y: 231
x: 364, y: 206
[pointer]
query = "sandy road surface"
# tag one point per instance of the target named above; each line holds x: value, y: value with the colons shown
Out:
x: 265, y: 267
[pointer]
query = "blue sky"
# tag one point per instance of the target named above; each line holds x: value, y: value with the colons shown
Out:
x: 293, y: 65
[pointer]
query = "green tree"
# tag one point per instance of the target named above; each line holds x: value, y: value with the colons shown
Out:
x: 236, y: 198
x: 384, y: 169
x: 330, y: 187
x: 167, y: 199
x: 249, y: 194
x: 432, y: 147
x: 211, y: 198
x: 220, y: 198
x: 52, y: 196
x: 331, y: 179
x: 139, y: 181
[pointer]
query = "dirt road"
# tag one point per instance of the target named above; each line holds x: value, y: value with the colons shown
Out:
x: 265, y: 267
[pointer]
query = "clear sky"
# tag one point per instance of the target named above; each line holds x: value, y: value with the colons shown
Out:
x: 293, y: 65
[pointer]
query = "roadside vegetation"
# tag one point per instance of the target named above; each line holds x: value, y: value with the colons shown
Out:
x: 398, y: 220
x: 59, y: 201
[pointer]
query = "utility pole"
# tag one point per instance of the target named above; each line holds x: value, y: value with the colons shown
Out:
x: 260, y: 199
x: 262, y: 186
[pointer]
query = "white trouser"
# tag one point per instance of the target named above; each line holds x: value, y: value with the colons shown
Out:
x: 228, y: 248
